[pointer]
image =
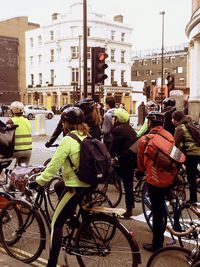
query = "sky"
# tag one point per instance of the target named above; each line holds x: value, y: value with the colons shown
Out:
x: 142, y: 15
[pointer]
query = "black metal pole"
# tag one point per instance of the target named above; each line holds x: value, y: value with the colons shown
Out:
x: 85, y: 45
x: 80, y: 65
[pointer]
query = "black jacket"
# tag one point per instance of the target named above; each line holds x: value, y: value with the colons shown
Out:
x: 168, y: 125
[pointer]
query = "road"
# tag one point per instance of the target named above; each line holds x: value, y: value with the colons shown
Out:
x: 136, y: 224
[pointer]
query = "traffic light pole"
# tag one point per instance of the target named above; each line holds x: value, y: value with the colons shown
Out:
x: 85, y: 45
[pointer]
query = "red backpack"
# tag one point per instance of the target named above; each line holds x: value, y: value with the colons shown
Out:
x: 164, y: 154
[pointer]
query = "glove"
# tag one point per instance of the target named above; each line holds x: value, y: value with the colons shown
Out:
x: 33, y: 185
x: 47, y: 144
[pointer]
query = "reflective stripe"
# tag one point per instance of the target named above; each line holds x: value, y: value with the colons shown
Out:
x: 22, y: 135
x: 23, y: 143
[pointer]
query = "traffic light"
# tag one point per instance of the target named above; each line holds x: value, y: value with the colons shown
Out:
x: 98, y: 65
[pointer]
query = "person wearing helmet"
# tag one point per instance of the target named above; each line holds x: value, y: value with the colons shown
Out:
x: 59, y: 128
x: 23, y: 134
x: 150, y: 106
x: 92, y: 116
x: 71, y: 188
x: 157, y: 192
x: 123, y: 137
x: 169, y: 106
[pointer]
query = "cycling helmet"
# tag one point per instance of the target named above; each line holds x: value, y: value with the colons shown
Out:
x: 169, y: 102
x: 152, y: 105
x: 155, y: 116
x: 73, y: 115
x: 121, y: 114
x: 17, y: 107
x: 86, y: 104
x: 65, y: 106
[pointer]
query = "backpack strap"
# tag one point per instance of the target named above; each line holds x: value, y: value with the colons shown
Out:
x: 74, y: 136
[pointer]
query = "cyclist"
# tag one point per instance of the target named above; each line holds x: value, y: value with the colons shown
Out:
x: 158, y: 179
x: 92, y: 116
x: 71, y: 188
x: 169, y: 107
x: 23, y: 134
x: 59, y: 128
x: 123, y: 137
x: 150, y: 106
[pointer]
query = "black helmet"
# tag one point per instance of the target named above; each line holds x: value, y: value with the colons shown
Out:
x: 73, y: 115
x: 86, y: 104
x: 169, y: 102
x: 65, y: 106
x: 155, y: 116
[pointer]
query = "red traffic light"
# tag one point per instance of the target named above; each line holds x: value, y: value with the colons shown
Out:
x: 102, y: 56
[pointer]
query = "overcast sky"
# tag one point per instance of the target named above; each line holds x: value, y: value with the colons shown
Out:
x: 142, y: 15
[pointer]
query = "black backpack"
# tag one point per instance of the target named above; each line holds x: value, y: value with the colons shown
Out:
x: 95, y: 161
x: 194, y: 129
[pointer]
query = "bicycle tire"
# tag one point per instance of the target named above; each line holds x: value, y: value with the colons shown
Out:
x: 146, y: 206
x: 51, y: 194
x: 137, y: 189
x: 169, y: 257
x: 30, y: 236
x: 96, y: 198
x: 102, y: 240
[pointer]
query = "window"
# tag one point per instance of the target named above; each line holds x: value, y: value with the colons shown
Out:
x: 180, y: 69
x: 153, y: 61
x: 31, y: 42
x: 39, y: 40
x: 52, y: 76
x: 32, y: 79
x: 88, y: 52
x: 40, y: 78
x: 88, y: 31
x: 158, y: 60
x: 167, y: 59
x: 39, y: 59
x: 172, y: 59
x: 112, y: 56
x: 74, y: 52
x: 75, y: 74
x: 112, y: 35
x: 112, y: 76
x: 165, y: 70
x: 145, y: 62
x: 175, y: 70
x: 52, y: 55
x: 122, y: 76
x: 140, y: 63
x: 182, y: 81
x: 122, y: 36
x: 89, y: 74
x: 122, y: 56
x: 31, y: 60
x: 148, y: 72
x: 51, y: 35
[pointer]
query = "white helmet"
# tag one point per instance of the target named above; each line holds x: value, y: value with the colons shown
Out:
x: 17, y: 107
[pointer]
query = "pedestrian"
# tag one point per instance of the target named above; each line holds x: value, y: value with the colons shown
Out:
x: 184, y: 140
x: 123, y: 137
x: 71, y: 188
x: 23, y: 134
x: 159, y: 180
x: 169, y: 107
x: 92, y: 116
x: 107, y: 121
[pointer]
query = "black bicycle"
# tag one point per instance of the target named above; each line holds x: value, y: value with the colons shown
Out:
x: 94, y: 235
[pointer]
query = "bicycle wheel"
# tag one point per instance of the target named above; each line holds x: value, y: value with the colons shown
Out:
x: 104, y: 241
x: 146, y: 206
x: 22, y: 231
x: 96, y: 198
x: 169, y: 257
x: 51, y: 194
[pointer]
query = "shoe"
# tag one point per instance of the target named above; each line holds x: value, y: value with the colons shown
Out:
x: 149, y: 247
x: 127, y: 214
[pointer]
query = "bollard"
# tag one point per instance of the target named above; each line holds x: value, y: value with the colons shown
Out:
x: 40, y: 124
x: 179, y: 97
x: 141, y: 113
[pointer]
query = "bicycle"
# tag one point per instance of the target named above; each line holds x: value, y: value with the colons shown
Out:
x: 93, y: 235
x: 177, y: 256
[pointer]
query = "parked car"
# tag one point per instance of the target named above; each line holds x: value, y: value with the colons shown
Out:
x: 31, y: 110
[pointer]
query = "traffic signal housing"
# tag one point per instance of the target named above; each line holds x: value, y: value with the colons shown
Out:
x: 98, y: 65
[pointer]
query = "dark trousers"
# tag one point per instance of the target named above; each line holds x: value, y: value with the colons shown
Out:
x: 191, y: 170
x: 157, y: 197
x: 127, y: 178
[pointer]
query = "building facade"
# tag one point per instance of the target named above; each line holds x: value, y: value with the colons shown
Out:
x: 12, y: 54
x: 54, y: 58
x: 147, y: 67
x: 193, y: 33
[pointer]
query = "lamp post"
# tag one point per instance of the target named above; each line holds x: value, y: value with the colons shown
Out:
x: 85, y: 46
x: 80, y: 58
x: 162, y: 53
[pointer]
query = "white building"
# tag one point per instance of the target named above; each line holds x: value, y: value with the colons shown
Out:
x: 54, y: 61
x: 193, y: 33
